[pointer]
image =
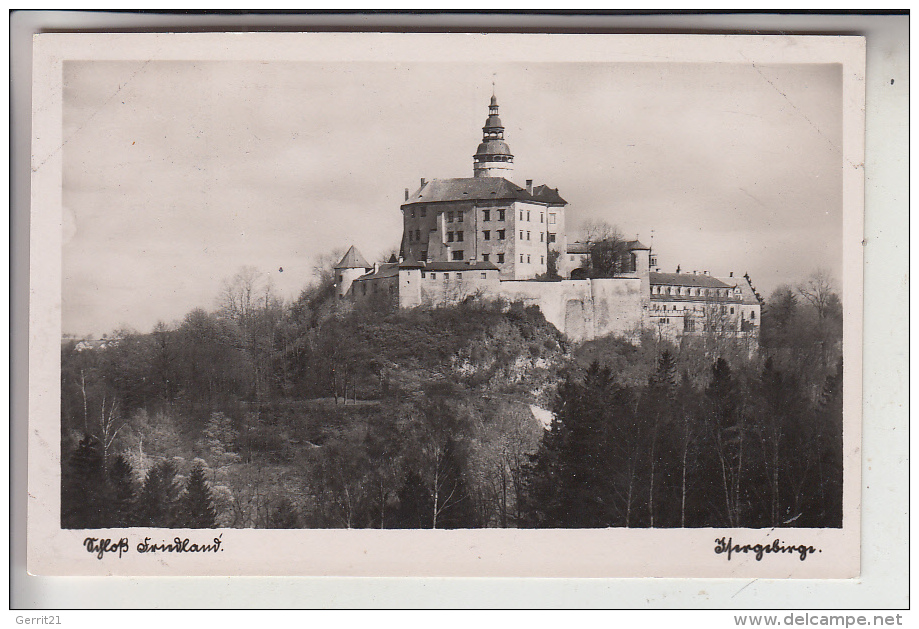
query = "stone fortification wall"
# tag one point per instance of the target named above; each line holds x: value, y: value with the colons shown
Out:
x: 582, y: 309
x: 440, y: 288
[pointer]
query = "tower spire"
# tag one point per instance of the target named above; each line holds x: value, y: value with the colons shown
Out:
x: 493, y: 158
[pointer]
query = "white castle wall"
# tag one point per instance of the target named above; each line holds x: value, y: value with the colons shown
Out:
x: 582, y: 309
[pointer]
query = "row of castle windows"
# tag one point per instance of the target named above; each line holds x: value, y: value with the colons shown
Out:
x: 541, y: 216
x: 698, y: 292
x: 542, y: 259
x: 415, y: 236
x: 459, y: 236
x: 689, y: 325
x: 494, y: 158
x: 689, y: 308
x: 723, y: 310
x: 457, y: 215
x: 433, y: 275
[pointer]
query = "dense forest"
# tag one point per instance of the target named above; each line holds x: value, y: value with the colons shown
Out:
x: 264, y: 414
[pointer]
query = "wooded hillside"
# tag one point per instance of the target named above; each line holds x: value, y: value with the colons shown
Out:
x: 270, y: 415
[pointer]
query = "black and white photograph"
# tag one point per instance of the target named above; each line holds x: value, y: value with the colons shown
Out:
x: 490, y: 294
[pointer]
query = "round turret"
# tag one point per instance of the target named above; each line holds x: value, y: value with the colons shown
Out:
x: 493, y: 158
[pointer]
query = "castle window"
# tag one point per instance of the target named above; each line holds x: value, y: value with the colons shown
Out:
x: 752, y: 315
x: 500, y: 234
x: 424, y: 256
x: 500, y: 258
x: 500, y: 215
x: 459, y: 217
x: 423, y: 210
x: 340, y: 279
x: 418, y: 235
x: 732, y: 309
x: 459, y: 276
x: 551, y: 218
x: 521, y: 215
x: 484, y: 276
x: 542, y: 259
x: 459, y: 236
x: 449, y: 217
x: 485, y: 257
x: 521, y: 234
x: 458, y: 255
x: 446, y: 276
x: 528, y: 235
x: 528, y: 216
x: 528, y: 258
x: 486, y: 215
x: 689, y: 325
x: 433, y: 276
x: 551, y: 237
x: 423, y: 275
x: 486, y: 235
x: 521, y: 258
x: 541, y: 237
x: 449, y: 236
x: 540, y: 217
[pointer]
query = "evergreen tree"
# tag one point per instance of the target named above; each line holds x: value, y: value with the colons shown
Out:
x: 727, y: 434
x: 284, y: 515
x: 196, y: 506
x: 829, y: 442
x: 159, y: 497
x: 541, y: 506
x: 585, y: 463
x: 665, y: 376
x: 83, y: 487
x: 416, y: 507
x: 122, y: 493
x: 570, y: 480
x: 455, y: 508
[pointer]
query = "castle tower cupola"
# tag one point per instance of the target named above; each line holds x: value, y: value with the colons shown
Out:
x: 493, y: 157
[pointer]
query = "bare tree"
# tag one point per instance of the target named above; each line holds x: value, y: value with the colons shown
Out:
x: 818, y: 290
x: 597, y: 230
x: 110, y: 423
x: 324, y: 266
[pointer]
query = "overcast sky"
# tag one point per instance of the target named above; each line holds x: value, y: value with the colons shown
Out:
x: 176, y: 174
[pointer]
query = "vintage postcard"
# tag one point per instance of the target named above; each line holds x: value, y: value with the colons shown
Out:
x: 446, y: 305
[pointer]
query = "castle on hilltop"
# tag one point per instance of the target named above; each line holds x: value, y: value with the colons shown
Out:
x: 486, y: 236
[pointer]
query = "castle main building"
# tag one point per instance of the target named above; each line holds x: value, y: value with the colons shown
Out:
x: 486, y: 236
x: 486, y: 217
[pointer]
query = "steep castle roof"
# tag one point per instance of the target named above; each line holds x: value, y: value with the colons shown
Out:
x: 746, y: 291
x: 353, y: 260
x: 482, y: 189
x: 686, y: 279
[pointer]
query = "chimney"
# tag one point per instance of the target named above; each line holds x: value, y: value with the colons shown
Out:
x: 731, y: 274
x: 376, y: 267
x: 529, y: 186
x: 406, y: 194
x: 706, y: 273
x: 423, y: 181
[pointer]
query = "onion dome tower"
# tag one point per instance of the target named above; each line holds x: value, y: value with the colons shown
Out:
x: 493, y: 157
